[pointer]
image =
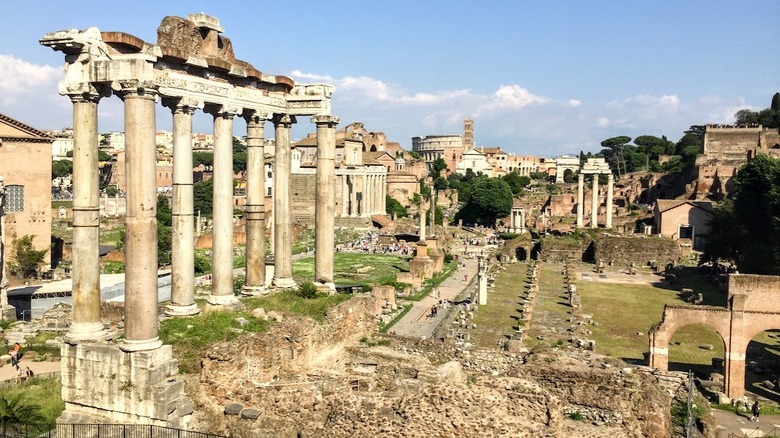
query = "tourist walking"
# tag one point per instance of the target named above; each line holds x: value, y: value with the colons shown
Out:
x: 756, y: 411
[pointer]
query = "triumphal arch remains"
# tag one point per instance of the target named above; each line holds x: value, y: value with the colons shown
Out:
x: 753, y: 307
x: 191, y: 67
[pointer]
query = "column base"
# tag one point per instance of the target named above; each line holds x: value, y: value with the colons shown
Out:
x: 87, y: 332
x: 104, y: 384
x: 328, y: 287
x: 132, y: 345
x: 284, y: 283
x: 223, y: 302
x: 254, y: 291
x: 177, y: 310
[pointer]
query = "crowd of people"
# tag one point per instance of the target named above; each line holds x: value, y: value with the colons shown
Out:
x: 369, y: 243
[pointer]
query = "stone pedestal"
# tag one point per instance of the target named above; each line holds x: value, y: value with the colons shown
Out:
x: 140, y: 387
x: 421, y: 266
x: 435, y: 254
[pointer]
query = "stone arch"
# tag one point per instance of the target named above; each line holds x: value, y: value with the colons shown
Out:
x: 373, y: 148
x: 718, y: 343
x: 521, y: 253
x: 676, y: 317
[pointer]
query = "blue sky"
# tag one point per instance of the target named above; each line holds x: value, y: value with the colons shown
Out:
x: 538, y: 78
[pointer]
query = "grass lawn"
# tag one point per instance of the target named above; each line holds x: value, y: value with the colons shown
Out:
x: 374, y: 268
x: 41, y: 392
x: 623, y: 310
x: 495, y: 321
x: 551, y: 308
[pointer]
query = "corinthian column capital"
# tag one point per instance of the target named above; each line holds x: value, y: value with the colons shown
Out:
x: 328, y: 120
x: 182, y: 105
x: 135, y: 88
x: 224, y: 111
x: 283, y: 120
x: 255, y: 117
x: 85, y: 92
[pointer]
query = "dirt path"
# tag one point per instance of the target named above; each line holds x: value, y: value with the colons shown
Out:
x: 8, y: 372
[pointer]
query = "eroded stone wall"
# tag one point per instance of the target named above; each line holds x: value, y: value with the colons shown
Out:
x: 309, y: 380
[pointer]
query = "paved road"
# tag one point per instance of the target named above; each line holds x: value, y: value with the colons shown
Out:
x: 417, y: 323
x: 741, y: 426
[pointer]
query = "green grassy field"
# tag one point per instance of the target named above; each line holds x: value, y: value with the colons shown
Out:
x: 355, y: 268
x: 495, y: 321
x: 551, y: 308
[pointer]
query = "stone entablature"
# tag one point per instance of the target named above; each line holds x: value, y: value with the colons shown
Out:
x: 104, y: 62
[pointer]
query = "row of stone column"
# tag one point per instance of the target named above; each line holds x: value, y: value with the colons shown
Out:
x: 594, y: 209
x: 141, y: 301
x: 372, y: 189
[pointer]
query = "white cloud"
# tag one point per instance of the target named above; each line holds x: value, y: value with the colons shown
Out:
x: 18, y: 74
x: 574, y: 103
x: 602, y: 122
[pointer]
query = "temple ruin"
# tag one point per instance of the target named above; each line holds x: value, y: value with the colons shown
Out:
x: 191, y: 67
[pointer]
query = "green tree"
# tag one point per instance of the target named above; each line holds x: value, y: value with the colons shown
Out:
x: 204, y: 158
x: 539, y: 176
x: 491, y: 199
x: 614, y: 152
x: 516, y: 182
x: 775, y: 102
x: 104, y: 156
x: 164, y: 244
x: 437, y: 166
x: 393, y: 206
x: 440, y: 183
x: 202, y: 193
x: 748, y: 233
x: 26, y: 259
x: 164, y: 213
x: 61, y: 168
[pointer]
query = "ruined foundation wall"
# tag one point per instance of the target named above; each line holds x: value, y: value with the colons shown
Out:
x: 637, y: 250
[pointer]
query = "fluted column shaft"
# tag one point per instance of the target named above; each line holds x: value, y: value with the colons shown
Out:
x: 608, y: 222
x: 222, y: 210
x: 255, y: 204
x: 325, y: 207
x: 594, y: 203
x: 183, y: 214
x: 141, y: 220
x: 86, y: 324
x: 282, y: 205
x: 580, y: 198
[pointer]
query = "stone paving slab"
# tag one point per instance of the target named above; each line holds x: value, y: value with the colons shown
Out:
x: 417, y: 323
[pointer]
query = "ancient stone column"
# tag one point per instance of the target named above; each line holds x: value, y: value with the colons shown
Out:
x: 282, y: 205
x: 422, y: 222
x: 325, y: 207
x: 594, y: 203
x: 222, y: 210
x: 86, y: 323
x: 255, y: 204
x: 141, y: 219
x: 608, y: 222
x: 183, y: 212
x: 580, y: 198
x: 353, y: 195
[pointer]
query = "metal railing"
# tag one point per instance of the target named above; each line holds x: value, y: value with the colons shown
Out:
x: 12, y: 430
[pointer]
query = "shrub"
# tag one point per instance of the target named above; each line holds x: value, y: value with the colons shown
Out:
x: 307, y: 290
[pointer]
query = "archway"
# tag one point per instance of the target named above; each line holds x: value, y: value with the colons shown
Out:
x: 521, y: 254
x: 699, y: 348
x: 762, y: 365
